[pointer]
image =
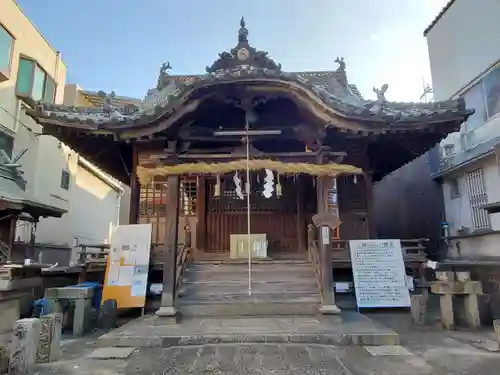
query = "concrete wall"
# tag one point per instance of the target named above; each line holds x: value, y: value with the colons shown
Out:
x: 73, y: 96
x: 458, y: 211
x: 94, y: 205
x: 463, y: 48
x: 462, y: 44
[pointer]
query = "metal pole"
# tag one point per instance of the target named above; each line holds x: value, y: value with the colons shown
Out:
x: 249, y: 241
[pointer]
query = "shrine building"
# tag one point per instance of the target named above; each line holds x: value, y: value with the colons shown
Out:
x: 315, y: 146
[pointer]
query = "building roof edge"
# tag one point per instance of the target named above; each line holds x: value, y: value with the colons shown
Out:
x: 438, y: 17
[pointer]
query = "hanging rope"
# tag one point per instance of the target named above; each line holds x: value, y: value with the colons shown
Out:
x: 147, y: 174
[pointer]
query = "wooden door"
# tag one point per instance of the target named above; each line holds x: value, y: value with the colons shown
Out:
x: 227, y: 214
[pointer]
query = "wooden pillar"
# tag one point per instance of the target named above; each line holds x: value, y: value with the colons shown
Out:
x: 301, y: 241
x: 170, y: 256
x: 370, y: 217
x: 134, y: 189
x: 12, y: 235
x: 325, y: 248
x: 201, y: 213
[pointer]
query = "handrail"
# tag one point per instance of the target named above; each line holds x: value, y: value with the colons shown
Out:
x: 314, y: 257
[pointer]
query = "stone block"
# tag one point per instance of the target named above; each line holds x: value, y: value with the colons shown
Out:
x: 456, y: 287
x: 107, y: 318
x: 462, y: 276
x: 24, y: 345
x: 472, y: 311
x: 166, y: 320
x: 419, y: 308
x: 112, y: 353
x: 446, y: 311
x: 496, y: 326
x: 69, y: 293
x: 445, y: 275
x: 49, y: 343
x: 4, y: 358
x: 10, y: 313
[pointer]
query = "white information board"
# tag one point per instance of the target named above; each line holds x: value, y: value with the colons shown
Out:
x: 379, y: 273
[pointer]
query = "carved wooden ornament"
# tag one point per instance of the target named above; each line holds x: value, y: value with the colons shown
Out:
x: 327, y: 219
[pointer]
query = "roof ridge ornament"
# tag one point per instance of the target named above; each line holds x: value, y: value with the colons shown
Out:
x: 243, y: 32
x: 341, y: 71
x: 243, y: 55
x: 163, y: 79
x: 381, y: 93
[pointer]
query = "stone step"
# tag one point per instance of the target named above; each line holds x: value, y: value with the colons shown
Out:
x: 244, y: 267
x: 258, y: 287
x: 244, y: 298
x: 242, y: 275
x: 250, y: 306
x: 254, y: 261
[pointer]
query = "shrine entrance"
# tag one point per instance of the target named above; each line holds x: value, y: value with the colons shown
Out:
x: 282, y: 217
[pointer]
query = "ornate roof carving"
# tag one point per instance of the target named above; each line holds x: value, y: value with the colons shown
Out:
x: 163, y: 77
x: 242, y: 54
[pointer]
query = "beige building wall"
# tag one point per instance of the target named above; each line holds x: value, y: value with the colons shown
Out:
x: 91, y: 198
x: 45, y: 157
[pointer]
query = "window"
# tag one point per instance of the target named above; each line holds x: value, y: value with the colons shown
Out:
x: 454, y: 188
x: 484, y: 97
x: 6, y: 143
x: 492, y: 91
x: 33, y: 83
x: 474, y: 98
x: 477, y: 198
x: 65, y: 180
x: 6, y: 44
x: 188, y: 198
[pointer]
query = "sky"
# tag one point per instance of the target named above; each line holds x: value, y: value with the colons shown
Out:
x: 119, y: 45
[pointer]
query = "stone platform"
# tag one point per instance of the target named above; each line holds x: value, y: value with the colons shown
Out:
x: 347, y: 328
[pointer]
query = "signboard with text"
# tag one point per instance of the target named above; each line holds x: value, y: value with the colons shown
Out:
x: 379, y: 273
x: 128, y: 265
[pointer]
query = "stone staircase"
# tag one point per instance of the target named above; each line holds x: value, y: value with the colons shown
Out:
x: 221, y: 289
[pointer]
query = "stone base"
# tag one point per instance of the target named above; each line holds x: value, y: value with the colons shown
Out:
x: 347, y: 328
x: 419, y: 308
x: 166, y: 320
x: 166, y: 311
x: 496, y: 326
x: 329, y: 309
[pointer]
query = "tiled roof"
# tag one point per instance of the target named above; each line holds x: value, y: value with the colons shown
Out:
x: 438, y: 17
x: 244, y: 65
x: 331, y: 93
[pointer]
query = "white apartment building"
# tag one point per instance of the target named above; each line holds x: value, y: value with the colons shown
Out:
x: 464, y: 53
x: 40, y: 176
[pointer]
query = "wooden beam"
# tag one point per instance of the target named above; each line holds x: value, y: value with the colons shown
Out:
x: 167, y: 307
x: 134, y: 189
x: 301, y: 223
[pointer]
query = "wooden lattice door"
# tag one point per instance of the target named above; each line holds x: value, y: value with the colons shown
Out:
x: 227, y: 214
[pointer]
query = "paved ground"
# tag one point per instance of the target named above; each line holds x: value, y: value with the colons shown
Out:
x: 422, y: 351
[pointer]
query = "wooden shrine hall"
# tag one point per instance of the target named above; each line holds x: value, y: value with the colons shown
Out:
x: 314, y: 144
